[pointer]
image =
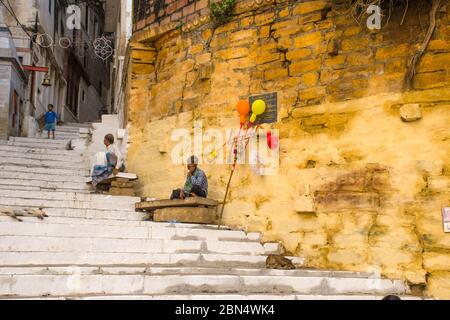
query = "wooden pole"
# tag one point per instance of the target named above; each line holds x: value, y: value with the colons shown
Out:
x: 229, y: 179
x: 225, y: 197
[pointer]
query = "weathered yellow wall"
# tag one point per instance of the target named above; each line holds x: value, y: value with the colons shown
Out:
x: 378, y: 183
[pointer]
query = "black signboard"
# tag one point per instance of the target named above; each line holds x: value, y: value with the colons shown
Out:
x: 271, y: 113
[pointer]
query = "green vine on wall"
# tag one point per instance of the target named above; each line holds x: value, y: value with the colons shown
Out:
x: 221, y: 12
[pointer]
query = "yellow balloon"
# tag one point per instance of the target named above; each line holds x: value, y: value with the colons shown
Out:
x: 258, y: 107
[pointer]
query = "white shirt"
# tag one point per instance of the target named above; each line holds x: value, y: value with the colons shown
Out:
x: 113, y: 148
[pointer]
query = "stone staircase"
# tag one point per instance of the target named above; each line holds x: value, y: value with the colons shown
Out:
x: 96, y: 246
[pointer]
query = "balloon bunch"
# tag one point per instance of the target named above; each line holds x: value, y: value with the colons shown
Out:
x: 243, y: 108
x: 258, y: 107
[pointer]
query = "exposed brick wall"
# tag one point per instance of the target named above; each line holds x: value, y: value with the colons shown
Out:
x: 161, y: 12
x: 378, y: 182
x: 305, y: 51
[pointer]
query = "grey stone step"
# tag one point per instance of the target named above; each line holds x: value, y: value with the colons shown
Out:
x: 43, y: 170
x: 44, y: 185
x: 4, y: 147
x: 116, y: 245
x: 9, y: 161
x: 40, y: 285
x: 47, y: 227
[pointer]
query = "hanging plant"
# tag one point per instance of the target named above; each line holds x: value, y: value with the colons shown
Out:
x: 221, y: 12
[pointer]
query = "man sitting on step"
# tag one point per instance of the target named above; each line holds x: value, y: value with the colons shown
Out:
x: 196, y: 182
x: 107, y: 163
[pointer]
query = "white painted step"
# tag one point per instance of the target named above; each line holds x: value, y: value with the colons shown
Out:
x: 58, y: 134
x: 228, y: 297
x: 43, y: 170
x: 65, y: 159
x: 8, y: 161
x: 94, y: 216
x: 40, y: 285
x: 71, y: 196
x: 40, y: 185
x: 167, y: 270
x: 62, y: 132
x: 4, y: 147
x: 33, y: 188
x: 77, y: 125
x: 116, y: 245
x: 59, y: 215
x: 68, y: 129
x: 33, y: 145
x: 10, y: 258
x: 14, y: 187
x: 43, y: 141
x: 36, y: 227
x: 60, y: 137
x: 41, y: 177
x: 70, y: 204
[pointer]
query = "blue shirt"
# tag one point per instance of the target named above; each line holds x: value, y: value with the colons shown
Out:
x: 198, y: 179
x: 50, y: 117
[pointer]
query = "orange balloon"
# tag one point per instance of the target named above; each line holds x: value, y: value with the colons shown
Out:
x: 243, y: 107
x: 242, y: 118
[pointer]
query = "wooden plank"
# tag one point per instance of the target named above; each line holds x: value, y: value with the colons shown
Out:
x: 186, y: 215
x: 188, y: 202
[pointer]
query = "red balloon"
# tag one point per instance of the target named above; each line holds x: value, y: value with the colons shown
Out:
x: 272, y: 141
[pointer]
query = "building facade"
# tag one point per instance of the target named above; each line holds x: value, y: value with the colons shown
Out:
x: 64, y: 43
